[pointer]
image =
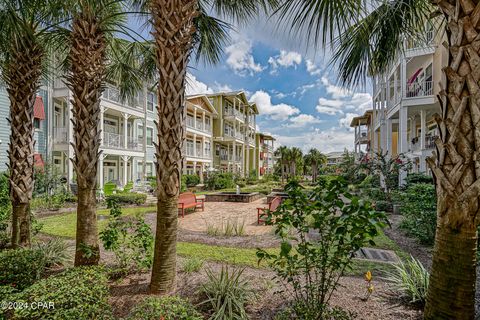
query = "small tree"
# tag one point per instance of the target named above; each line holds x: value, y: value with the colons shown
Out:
x: 329, y: 226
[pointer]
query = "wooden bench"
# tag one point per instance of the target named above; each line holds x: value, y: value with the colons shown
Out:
x: 189, y: 200
x: 262, y: 213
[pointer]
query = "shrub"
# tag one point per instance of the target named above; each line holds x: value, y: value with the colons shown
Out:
x: 79, y: 293
x: 192, y: 264
x: 108, y: 188
x: 54, y: 252
x: 21, y: 268
x: 413, y: 178
x: 410, y: 279
x: 320, y: 231
x: 335, y: 313
x: 383, y: 206
x: 128, y: 198
x: 129, y: 238
x: 226, y: 294
x: 228, y: 228
x: 5, y: 210
x: 419, y: 209
x: 216, y: 181
x: 191, y: 180
x: 166, y: 308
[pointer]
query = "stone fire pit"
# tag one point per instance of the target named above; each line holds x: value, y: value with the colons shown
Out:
x: 245, y: 197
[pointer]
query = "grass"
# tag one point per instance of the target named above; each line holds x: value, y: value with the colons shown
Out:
x: 192, y: 265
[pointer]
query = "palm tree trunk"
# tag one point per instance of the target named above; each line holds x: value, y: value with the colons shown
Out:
x: 173, y: 30
x: 283, y: 171
x: 456, y: 169
x: 87, y: 58
x: 22, y: 80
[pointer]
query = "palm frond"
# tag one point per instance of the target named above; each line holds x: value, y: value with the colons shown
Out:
x: 371, y: 45
x: 240, y: 10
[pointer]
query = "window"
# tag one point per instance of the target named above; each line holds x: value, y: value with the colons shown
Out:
x: 151, y: 101
x: 207, y: 148
x: 36, y: 123
x: 217, y: 150
x: 149, y: 136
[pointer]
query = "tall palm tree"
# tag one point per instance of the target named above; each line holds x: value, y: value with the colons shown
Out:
x: 314, y: 159
x: 282, y: 153
x: 368, y: 46
x: 295, y: 157
x: 25, y: 28
x: 93, y: 58
x: 180, y: 27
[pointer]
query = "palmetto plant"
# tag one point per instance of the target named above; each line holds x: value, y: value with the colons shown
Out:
x: 369, y: 41
x: 180, y: 27
x: 25, y: 31
x: 282, y: 153
x: 92, y: 57
x: 315, y: 159
x: 295, y: 156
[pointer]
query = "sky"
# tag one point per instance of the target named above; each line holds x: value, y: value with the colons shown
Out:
x: 293, y: 85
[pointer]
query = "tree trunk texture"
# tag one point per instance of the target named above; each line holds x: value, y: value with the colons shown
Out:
x: 22, y: 79
x: 456, y: 168
x: 173, y: 30
x: 85, y: 80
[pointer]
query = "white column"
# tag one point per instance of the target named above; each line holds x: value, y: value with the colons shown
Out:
x: 203, y: 144
x: 423, y: 128
x: 100, y: 173
x: 194, y: 167
x: 202, y: 168
x: 402, y: 130
x: 102, y: 124
x: 195, y: 145
x: 70, y: 139
x: 413, y: 127
x: 389, y: 137
x: 125, y: 130
x: 403, y: 78
x: 195, y: 117
x: 203, y: 120
x: 125, y: 169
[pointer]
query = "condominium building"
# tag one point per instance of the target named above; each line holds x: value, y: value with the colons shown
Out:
x: 220, y: 133
x: 405, y: 101
x: 264, y: 153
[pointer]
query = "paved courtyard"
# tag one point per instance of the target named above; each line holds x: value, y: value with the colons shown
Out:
x: 217, y: 213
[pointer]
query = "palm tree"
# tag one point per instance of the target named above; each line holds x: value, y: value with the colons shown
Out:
x: 282, y: 153
x: 368, y: 46
x: 314, y: 159
x: 25, y: 29
x: 93, y: 57
x: 180, y: 27
x: 295, y: 157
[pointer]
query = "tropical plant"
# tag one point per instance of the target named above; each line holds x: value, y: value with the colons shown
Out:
x: 25, y: 36
x: 166, y: 308
x: 295, y: 159
x: 226, y: 294
x: 5, y: 211
x: 315, y: 159
x: 55, y: 252
x: 282, y: 154
x: 371, y: 37
x: 92, y: 56
x: 410, y: 279
x: 329, y: 225
x: 192, y: 264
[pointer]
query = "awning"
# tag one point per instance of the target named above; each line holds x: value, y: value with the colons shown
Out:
x: 39, y: 109
x: 38, y: 160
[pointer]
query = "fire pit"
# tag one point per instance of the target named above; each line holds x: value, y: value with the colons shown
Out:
x: 245, y: 197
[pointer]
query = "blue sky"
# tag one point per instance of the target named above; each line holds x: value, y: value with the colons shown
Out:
x: 296, y: 93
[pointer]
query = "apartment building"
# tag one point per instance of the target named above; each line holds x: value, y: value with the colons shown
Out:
x: 264, y: 153
x: 405, y: 101
x: 234, y: 133
x: 220, y: 133
x: 363, y: 132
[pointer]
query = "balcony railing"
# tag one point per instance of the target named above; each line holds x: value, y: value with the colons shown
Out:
x: 422, y: 40
x: 113, y: 95
x: 60, y: 135
x: 133, y: 144
x: 234, y: 113
x: 198, y: 125
x: 429, y: 143
x: 420, y: 89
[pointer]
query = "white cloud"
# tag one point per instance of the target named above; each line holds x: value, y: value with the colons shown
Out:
x: 275, y: 111
x: 312, y: 68
x: 346, y: 120
x: 195, y: 86
x: 303, y: 120
x: 335, y: 91
x: 334, y: 139
x: 285, y: 59
x: 240, y: 58
x: 328, y: 110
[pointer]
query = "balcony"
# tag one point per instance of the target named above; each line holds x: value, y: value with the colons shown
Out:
x: 429, y: 143
x: 420, y: 89
x: 117, y: 141
x: 198, y: 125
x: 196, y: 153
x: 421, y: 41
x: 60, y: 135
x: 112, y: 94
x: 234, y: 113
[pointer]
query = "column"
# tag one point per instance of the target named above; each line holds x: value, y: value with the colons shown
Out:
x: 125, y: 169
x: 125, y: 130
x: 403, y: 78
x: 194, y: 167
x: 203, y: 121
x: 144, y: 142
x: 402, y: 130
x: 102, y: 124
x: 413, y: 126
x: 195, y: 145
x: 100, y: 173
x: 388, y: 137
x: 423, y: 128
x: 243, y: 161
x: 203, y: 145
x: 70, y: 139
x: 195, y: 117
x: 202, y: 168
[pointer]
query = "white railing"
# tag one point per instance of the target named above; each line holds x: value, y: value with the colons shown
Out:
x: 133, y: 144
x: 421, y: 40
x: 113, y: 140
x: 419, y: 89
x: 60, y: 135
x: 112, y: 94
x: 234, y: 113
x: 199, y: 125
x: 190, y: 122
x: 429, y: 143
x: 224, y: 157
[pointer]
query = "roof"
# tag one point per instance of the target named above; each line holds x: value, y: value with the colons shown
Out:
x: 39, y: 108
x: 205, y: 99
x: 266, y: 136
x: 335, y: 154
x: 356, y: 121
x: 241, y: 93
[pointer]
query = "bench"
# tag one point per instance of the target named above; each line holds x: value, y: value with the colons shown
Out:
x: 262, y: 213
x: 189, y: 200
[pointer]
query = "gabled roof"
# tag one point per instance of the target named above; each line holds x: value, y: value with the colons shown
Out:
x: 204, y: 97
x: 356, y: 121
x: 266, y: 136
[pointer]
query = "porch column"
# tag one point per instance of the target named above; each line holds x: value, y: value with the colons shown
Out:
x: 195, y: 167
x: 203, y: 121
x: 423, y: 128
x: 195, y: 117
x: 125, y: 130
x: 202, y: 168
x: 389, y: 136
x: 102, y: 125
x: 195, y: 145
x: 402, y: 130
x: 203, y: 145
x: 125, y: 169
x: 100, y: 173
x: 413, y: 128
x: 403, y: 78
